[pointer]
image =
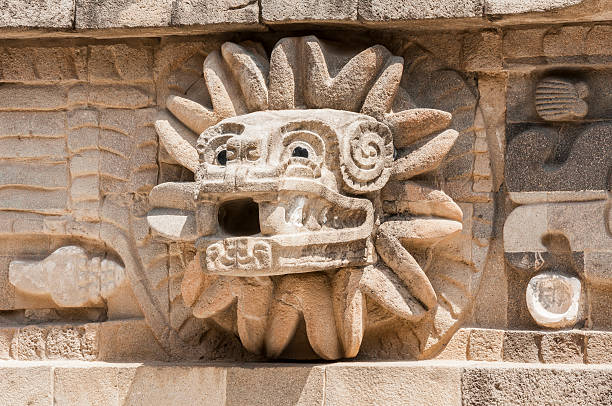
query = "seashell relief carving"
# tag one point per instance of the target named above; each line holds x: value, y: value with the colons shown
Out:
x: 558, y: 99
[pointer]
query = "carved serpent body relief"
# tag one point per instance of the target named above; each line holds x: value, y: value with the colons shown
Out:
x: 302, y: 207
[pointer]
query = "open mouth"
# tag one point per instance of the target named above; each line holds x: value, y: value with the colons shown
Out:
x: 291, y: 227
x: 291, y: 232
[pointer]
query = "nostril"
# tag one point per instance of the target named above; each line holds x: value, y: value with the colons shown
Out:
x: 239, y: 217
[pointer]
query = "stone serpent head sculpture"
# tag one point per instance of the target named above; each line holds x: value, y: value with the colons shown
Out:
x: 302, y: 207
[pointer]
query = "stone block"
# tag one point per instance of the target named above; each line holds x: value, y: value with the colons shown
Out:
x: 456, y: 349
x: 392, y: 384
x: 23, y: 97
x: 567, y: 385
x: 38, y: 124
x: 7, y: 290
x: 43, y: 14
x: 517, y: 238
x: 25, y: 64
x: 32, y: 343
x: 122, y: 13
x: 173, y: 385
x: 281, y: 385
x: 525, y: 6
x: 128, y: 340
x: 483, y: 51
x: 485, y: 345
x: 598, y: 268
x: 120, y: 62
x: 386, y: 10
x: 562, y: 348
x: 522, y: 346
x: 26, y: 386
x: 598, y: 347
x: 204, y: 12
x: 85, y: 386
x: 8, y: 342
x: 275, y: 11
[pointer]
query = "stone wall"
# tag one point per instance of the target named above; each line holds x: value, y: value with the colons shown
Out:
x: 91, y: 94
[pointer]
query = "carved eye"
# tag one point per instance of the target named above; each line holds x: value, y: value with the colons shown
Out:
x: 222, y: 157
x: 300, y: 152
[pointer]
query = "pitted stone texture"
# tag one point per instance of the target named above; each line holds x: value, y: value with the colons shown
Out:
x: 206, y: 12
x: 122, y: 13
x: 44, y: 14
x: 26, y: 386
x: 388, y: 10
x: 529, y: 385
x: 278, y: 11
x: 386, y: 384
x: 525, y: 6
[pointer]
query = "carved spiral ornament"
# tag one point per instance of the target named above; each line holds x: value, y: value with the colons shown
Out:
x: 367, y: 156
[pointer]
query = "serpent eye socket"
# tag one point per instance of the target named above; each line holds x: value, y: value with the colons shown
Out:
x: 299, y: 152
x: 222, y: 157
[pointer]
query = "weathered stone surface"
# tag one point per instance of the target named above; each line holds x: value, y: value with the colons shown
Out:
x: 557, y: 348
x: 288, y: 385
x: 391, y: 385
x: 204, y: 12
x: 128, y: 340
x: 519, y: 6
x: 26, y: 386
x: 240, y: 80
x: 385, y: 10
x: 522, y: 346
x: 529, y: 385
x: 598, y: 348
x: 122, y: 13
x: 278, y: 11
x: 485, y: 345
x: 43, y: 14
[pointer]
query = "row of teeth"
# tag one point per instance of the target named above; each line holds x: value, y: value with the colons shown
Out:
x: 314, y: 214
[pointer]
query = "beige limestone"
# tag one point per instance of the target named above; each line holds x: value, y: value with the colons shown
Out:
x: 122, y: 13
x: 290, y: 171
x: 274, y: 11
x: 83, y: 163
x: 29, y: 386
x: 203, y: 12
x: 44, y: 14
x: 517, y: 6
x: 385, y: 10
x: 391, y: 385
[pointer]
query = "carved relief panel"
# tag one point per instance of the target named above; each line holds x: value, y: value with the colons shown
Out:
x: 309, y: 200
x: 559, y: 168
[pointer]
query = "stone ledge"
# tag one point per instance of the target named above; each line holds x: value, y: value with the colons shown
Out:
x: 124, y: 18
x: 390, y: 383
x: 516, y: 346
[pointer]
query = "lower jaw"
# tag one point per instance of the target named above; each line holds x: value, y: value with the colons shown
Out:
x: 267, y: 256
